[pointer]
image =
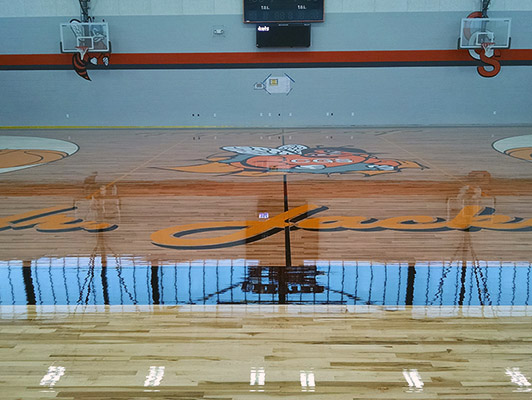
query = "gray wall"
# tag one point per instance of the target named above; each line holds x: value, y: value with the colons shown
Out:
x: 320, y: 96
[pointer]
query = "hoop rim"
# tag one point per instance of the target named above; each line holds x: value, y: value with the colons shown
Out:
x: 82, y: 50
x: 488, y: 48
x: 487, y: 45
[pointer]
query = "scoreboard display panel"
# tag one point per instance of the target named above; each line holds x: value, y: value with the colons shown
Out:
x: 261, y: 11
x: 283, y: 35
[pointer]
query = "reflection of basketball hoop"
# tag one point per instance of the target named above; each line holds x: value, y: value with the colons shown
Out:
x: 488, y: 48
x: 82, y: 50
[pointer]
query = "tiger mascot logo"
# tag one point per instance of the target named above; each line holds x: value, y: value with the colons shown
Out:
x: 297, y: 158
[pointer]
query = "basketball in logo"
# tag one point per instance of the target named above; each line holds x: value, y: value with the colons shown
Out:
x: 517, y: 146
x: 20, y: 152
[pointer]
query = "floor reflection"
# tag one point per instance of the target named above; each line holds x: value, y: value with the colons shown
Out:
x: 120, y: 281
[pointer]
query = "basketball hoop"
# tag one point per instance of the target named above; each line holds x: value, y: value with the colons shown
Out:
x: 488, y: 48
x: 82, y: 50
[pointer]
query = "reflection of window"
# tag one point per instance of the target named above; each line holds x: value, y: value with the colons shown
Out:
x: 308, y: 382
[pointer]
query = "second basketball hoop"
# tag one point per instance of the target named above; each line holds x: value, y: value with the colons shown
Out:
x: 481, y: 36
x: 485, y: 33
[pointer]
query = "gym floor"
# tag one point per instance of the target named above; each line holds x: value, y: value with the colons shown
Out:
x: 236, y: 263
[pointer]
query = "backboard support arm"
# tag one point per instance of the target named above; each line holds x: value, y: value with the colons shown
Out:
x: 84, y: 5
x: 485, y: 6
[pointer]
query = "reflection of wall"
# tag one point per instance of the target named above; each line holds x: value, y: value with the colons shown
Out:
x: 87, y: 281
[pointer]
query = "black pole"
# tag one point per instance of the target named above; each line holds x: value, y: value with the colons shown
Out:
x: 84, y: 4
x: 105, y: 285
x: 282, y: 283
x: 485, y: 6
x: 463, y: 282
x: 155, y: 284
x: 28, y: 283
x: 409, y: 300
x: 288, y: 252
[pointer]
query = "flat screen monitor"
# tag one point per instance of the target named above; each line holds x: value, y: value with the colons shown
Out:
x: 263, y: 11
x: 283, y: 35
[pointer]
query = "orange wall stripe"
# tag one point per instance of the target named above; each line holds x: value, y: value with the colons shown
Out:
x: 35, y: 59
x: 310, y: 57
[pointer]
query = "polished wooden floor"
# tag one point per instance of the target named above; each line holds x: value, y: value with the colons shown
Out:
x: 217, y: 353
x: 132, y: 179
x: 258, y: 263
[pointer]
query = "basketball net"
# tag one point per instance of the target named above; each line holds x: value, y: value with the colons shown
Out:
x: 488, y: 48
x: 82, y: 50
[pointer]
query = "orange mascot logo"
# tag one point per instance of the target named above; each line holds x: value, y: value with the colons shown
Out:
x: 297, y: 158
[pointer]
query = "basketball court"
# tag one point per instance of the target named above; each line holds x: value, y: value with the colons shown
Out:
x: 274, y: 199
x: 240, y: 263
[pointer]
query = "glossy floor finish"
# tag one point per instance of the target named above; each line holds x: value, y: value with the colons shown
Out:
x: 247, y: 352
x: 331, y: 263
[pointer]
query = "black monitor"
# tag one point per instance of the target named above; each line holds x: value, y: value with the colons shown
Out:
x: 283, y: 35
x: 263, y: 11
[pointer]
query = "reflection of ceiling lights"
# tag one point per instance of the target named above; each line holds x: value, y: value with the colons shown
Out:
x: 308, y: 383
x: 415, y: 384
x: 52, y: 376
x: 155, y: 376
x: 257, y: 376
x: 519, y: 379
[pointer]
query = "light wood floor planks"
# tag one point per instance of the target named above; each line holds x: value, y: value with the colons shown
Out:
x: 212, y: 352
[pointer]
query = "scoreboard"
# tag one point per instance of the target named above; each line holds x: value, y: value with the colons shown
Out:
x: 260, y: 11
x: 283, y: 35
